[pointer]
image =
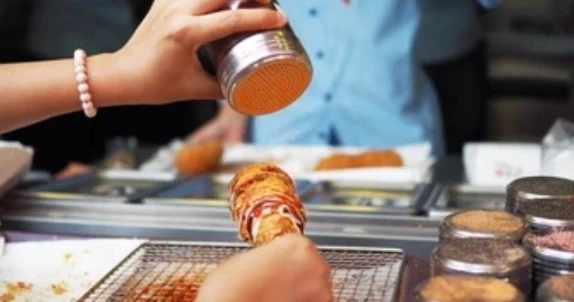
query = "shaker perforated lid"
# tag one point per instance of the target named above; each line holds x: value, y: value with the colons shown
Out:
x: 270, y: 85
x: 261, y: 72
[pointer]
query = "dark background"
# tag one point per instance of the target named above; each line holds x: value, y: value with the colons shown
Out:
x: 72, y: 137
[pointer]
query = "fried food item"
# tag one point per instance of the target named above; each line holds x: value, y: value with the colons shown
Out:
x: 375, y: 158
x: 199, y: 159
x: 264, y: 203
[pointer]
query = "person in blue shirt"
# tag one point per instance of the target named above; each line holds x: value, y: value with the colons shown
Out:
x: 368, y: 87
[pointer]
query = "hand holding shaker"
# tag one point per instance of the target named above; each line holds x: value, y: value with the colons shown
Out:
x: 260, y: 72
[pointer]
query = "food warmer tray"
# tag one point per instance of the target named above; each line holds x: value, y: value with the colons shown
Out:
x: 157, y: 270
x: 202, y: 192
x: 454, y: 198
x: 103, y: 186
x: 381, y: 198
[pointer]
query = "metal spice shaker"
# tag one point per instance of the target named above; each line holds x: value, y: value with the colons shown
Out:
x: 260, y: 72
x: 552, y: 253
x: 482, y: 223
x: 500, y: 259
x: 548, y: 213
x: 556, y: 289
x: 466, y: 288
x: 537, y: 188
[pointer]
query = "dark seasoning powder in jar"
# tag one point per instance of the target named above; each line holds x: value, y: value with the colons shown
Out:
x: 548, y: 213
x: 481, y: 251
x: 502, y: 259
x: 537, y: 188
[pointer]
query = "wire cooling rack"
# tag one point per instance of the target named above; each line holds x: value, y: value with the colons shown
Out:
x: 174, y: 271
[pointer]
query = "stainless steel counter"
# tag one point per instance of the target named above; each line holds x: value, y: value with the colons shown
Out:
x: 191, y: 211
x: 416, y: 235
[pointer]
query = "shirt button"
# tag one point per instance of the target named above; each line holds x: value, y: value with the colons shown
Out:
x: 320, y: 54
x: 328, y: 97
x: 313, y: 12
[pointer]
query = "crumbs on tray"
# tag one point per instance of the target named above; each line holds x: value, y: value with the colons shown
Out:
x: 59, y: 288
x: 12, y: 290
x: 67, y: 257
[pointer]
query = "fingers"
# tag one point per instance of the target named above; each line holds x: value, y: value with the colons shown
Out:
x: 201, y: 7
x: 224, y: 23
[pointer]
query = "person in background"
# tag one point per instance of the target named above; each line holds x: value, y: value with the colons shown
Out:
x: 450, y: 46
x: 368, y: 88
x: 289, y: 269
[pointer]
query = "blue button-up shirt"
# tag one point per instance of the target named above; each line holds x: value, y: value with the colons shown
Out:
x: 366, y: 84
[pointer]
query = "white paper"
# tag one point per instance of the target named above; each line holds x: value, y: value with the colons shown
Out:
x: 497, y: 164
x: 15, y: 161
x: 74, y: 265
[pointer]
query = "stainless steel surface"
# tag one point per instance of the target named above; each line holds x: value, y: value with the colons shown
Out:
x: 456, y: 197
x: 416, y: 235
x: 113, y: 187
x: 450, y: 229
x: 206, y: 191
x: 240, y: 56
x: 358, y: 274
x: 537, y: 188
x: 385, y: 199
x: 484, y: 257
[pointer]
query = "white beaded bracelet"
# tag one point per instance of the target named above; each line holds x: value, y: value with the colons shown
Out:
x: 81, y: 70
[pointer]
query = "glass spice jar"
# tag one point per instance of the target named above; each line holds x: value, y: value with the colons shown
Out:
x: 487, y: 224
x: 556, y: 289
x: 537, y: 188
x: 552, y: 251
x: 500, y: 259
x: 467, y: 288
x: 544, y: 214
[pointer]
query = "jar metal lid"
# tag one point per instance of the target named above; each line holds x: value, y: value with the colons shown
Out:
x: 483, y: 223
x: 545, y: 244
x: 537, y: 188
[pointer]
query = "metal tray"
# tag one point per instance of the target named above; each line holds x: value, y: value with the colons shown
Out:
x: 112, y: 186
x: 207, y: 192
x: 460, y: 197
x: 158, y: 270
x: 371, y: 198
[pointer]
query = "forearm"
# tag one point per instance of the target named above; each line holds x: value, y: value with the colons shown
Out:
x: 31, y: 92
